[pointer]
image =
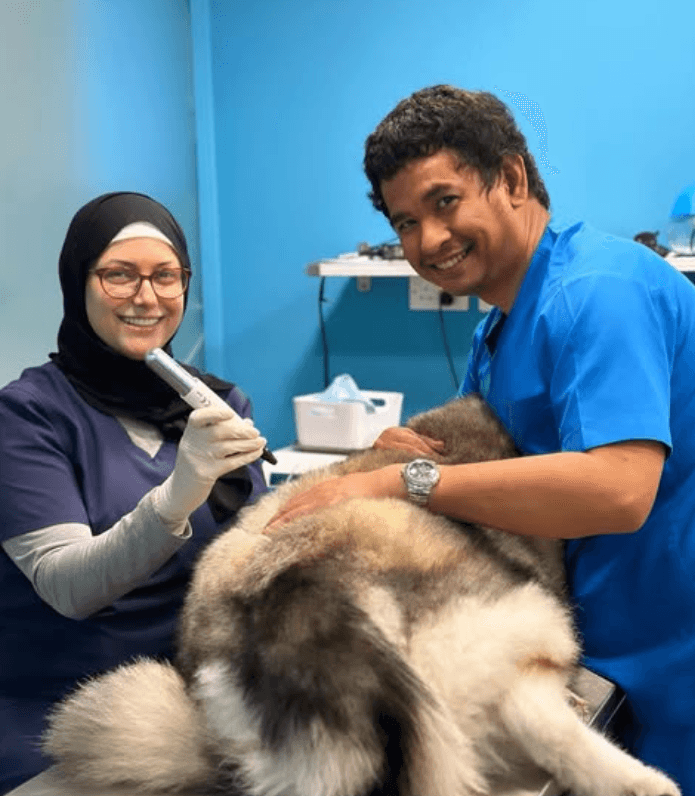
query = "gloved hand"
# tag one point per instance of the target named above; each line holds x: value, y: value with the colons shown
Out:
x: 214, y: 442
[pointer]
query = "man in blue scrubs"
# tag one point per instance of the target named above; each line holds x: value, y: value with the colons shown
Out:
x: 588, y: 358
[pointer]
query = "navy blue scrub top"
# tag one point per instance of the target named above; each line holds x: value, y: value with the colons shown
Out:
x: 63, y: 461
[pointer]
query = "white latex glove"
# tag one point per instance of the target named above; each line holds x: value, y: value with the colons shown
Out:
x: 214, y: 442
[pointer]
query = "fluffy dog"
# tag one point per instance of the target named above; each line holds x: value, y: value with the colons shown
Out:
x: 371, y: 648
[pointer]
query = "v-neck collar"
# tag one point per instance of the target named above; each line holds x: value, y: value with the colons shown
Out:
x: 533, y: 277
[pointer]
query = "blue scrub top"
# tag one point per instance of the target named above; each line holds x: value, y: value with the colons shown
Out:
x: 599, y: 347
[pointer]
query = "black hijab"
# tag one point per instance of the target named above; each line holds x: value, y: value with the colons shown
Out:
x: 106, y: 380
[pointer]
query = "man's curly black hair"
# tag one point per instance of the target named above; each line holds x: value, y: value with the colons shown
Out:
x: 475, y: 124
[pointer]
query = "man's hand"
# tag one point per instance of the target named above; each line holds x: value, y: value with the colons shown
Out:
x: 405, y: 439
x: 385, y: 482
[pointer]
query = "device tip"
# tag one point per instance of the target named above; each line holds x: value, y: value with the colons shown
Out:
x: 268, y: 456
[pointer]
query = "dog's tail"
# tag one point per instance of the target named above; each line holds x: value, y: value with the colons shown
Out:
x: 134, y: 727
x: 318, y: 701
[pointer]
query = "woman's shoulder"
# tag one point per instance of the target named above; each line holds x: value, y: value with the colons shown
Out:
x: 41, y: 382
x: 42, y: 389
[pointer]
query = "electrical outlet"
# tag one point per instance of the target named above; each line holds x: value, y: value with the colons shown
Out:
x: 423, y: 295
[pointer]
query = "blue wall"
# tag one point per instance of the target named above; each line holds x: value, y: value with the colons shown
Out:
x: 604, y: 93
x: 36, y: 162
x: 100, y: 97
x: 97, y: 95
x: 135, y: 118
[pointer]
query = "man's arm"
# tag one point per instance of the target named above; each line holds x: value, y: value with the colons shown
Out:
x: 610, y: 489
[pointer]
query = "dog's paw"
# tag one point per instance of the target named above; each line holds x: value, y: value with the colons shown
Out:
x: 650, y: 782
x: 624, y: 775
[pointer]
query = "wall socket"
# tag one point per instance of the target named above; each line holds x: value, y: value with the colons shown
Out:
x: 423, y: 295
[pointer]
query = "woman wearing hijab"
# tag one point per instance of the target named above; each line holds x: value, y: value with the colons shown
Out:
x: 110, y: 483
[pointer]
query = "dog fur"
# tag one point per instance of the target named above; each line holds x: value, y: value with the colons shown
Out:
x: 373, y: 647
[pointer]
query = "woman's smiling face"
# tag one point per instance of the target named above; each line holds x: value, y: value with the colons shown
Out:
x: 455, y: 232
x: 134, y: 325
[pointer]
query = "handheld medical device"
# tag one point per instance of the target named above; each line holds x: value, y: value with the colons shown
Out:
x: 193, y: 391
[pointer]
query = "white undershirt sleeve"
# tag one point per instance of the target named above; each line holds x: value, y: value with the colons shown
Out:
x: 78, y: 574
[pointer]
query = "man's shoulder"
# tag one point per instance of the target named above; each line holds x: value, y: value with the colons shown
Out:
x: 581, y: 250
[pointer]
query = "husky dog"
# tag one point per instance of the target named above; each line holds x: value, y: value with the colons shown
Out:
x: 370, y: 648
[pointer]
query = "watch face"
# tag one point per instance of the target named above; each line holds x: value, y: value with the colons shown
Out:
x: 420, y: 476
x: 422, y: 471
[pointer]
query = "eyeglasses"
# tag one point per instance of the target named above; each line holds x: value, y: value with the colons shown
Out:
x: 121, y: 283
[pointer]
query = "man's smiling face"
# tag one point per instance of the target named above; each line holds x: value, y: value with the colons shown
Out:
x: 455, y: 232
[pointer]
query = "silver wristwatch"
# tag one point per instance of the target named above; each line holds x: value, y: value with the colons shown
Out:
x: 420, y: 477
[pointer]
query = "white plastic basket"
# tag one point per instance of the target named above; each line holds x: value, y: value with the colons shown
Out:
x: 344, y: 425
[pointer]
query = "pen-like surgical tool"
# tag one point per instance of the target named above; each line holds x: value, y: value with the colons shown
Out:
x: 193, y: 391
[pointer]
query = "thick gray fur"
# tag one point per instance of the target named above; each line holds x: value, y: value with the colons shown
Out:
x: 373, y: 647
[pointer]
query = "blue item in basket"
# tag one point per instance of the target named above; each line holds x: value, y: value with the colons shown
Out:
x: 344, y: 388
